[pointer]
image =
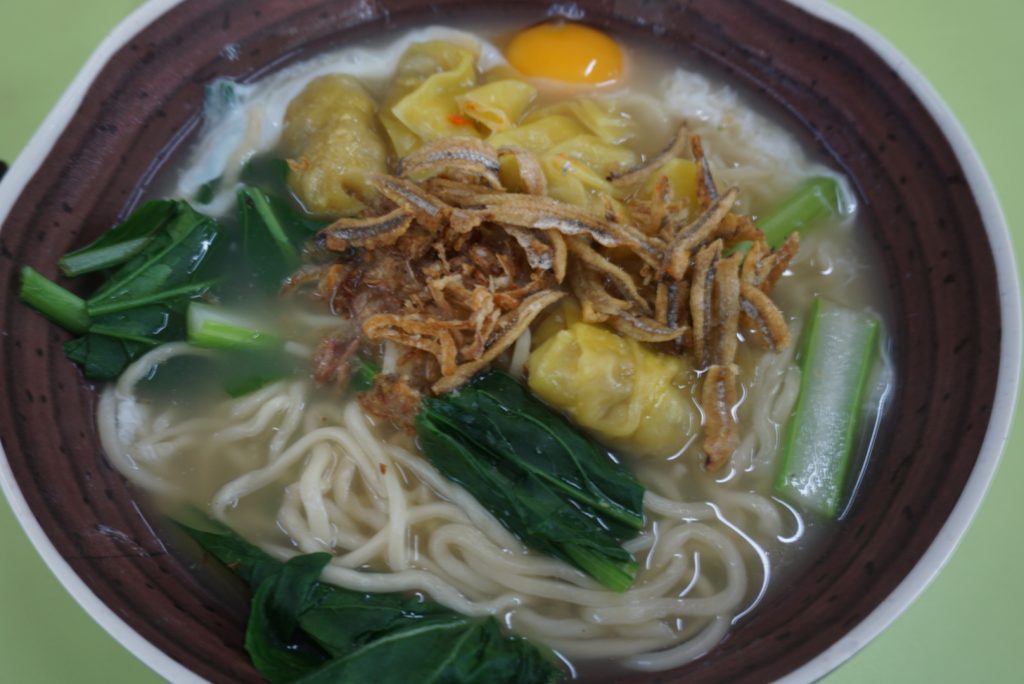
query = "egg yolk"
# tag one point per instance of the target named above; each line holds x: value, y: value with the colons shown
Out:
x: 566, y: 52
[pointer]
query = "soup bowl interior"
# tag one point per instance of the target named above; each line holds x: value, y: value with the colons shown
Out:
x: 843, y: 99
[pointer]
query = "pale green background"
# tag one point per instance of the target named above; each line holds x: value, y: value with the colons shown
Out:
x: 967, y: 627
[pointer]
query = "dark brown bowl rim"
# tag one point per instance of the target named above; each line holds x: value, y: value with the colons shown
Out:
x: 945, y: 542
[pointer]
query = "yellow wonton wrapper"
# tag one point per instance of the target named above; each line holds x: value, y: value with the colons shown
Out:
x: 617, y: 389
x: 497, y: 105
x: 420, y: 105
x: 600, y: 117
x: 538, y: 136
x: 329, y: 133
x: 682, y: 181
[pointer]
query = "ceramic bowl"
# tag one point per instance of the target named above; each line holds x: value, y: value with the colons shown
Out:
x: 934, y: 223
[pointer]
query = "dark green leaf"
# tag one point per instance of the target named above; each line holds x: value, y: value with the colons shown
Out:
x: 270, y: 256
x: 510, y: 423
x: 148, y: 325
x: 460, y: 650
x: 102, y: 357
x: 207, y: 191
x: 558, y: 491
x: 168, y: 261
x: 247, y: 371
x: 341, y: 621
x: 544, y: 519
x: 123, y: 241
x: 268, y: 173
x: 277, y: 650
x: 363, y: 374
x: 175, y: 297
x: 247, y: 561
x: 301, y: 629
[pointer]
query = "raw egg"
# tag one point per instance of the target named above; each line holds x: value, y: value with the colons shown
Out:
x: 571, y: 53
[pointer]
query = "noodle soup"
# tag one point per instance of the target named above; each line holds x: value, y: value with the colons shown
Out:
x: 300, y: 462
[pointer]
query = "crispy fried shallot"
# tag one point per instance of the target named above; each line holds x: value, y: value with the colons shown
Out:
x: 392, y: 399
x: 332, y: 360
x: 456, y: 267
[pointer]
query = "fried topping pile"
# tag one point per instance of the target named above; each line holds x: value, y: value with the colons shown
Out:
x: 464, y: 250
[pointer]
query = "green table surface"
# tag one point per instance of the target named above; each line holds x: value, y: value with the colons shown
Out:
x: 966, y: 627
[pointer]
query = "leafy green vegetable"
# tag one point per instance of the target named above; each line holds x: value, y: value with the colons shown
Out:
x: 165, y: 265
x: 363, y: 374
x: 247, y: 371
x: 169, y: 296
x: 558, y: 491
x: 160, y: 251
x: 208, y: 190
x: 301, y: 630
x: 836, y: 356
x: 219, y: 97
x: 261, y: 209
x: 122, y: 242
x: 273, y: 233
x: 102, y: 357
x: 267, y: 173
x: 149, y: 325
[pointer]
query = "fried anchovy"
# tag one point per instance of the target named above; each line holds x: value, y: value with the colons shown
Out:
x: 707, y: 192
x: 727, y: 308
x: 539, y: 255
x: 701, y: 297
x: 644, y: 329
x: 639, y: 173
x: 600, y: 264
x: 430, y: 211
x: 373, y: 232
x: 543, y: 213
x: 678, y: 255
x: 461, y: 155
x: 594, y: 299
x: 718, y: 397
x: 762, y: 317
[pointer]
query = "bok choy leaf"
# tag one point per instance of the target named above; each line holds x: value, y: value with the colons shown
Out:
x: 302, y: 630
x: 160, y: 253
x: 556, y: 490
x: 123, y: 241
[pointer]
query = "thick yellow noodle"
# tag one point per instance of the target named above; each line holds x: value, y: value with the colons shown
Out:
x: 394, y: 524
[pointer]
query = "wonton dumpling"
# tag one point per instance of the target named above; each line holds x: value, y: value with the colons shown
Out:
x: 616, y: 388
x: 329, y: 132
x: 420, y: 105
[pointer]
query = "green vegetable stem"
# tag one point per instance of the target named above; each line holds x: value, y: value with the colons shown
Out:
x: 836, y: 356
x: 217, y: 327
x: 816, y: 200
x: 64, y: 308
